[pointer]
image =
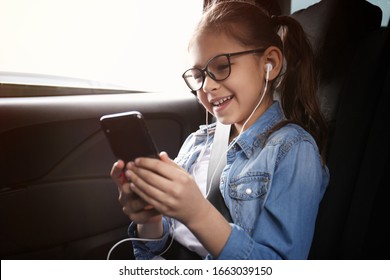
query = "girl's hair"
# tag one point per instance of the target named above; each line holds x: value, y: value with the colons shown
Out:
x: 297, y: 83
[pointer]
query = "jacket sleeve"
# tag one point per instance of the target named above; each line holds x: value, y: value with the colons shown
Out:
x: 150, y: 249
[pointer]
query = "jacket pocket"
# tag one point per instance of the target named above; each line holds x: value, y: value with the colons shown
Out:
x: 252, y: 185
x: 247, y: 194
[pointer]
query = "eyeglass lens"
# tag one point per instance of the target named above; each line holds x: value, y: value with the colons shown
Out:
x: 218, y: 69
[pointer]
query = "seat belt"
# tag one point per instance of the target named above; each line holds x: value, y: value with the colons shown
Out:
x: 217, y: 162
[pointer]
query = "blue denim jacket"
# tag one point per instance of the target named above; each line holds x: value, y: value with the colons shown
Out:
x: 273, y: 191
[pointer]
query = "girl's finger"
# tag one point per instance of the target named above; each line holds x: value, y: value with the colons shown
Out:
x: 117, y: 172
x: 149, y: 199
x: 144, y: 178
x: 165, y: 168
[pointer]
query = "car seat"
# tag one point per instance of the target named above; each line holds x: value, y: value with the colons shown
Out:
x: 352, y: 53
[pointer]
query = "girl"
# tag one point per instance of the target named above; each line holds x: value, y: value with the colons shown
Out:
x: 275, y: 174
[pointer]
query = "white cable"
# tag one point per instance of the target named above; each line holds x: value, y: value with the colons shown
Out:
x: 204, y: 148
x: 126, y: 240
x: 171, y: 229
x: 242, y: 129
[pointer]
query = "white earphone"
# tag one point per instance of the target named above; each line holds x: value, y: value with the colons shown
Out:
x: 268, y: 69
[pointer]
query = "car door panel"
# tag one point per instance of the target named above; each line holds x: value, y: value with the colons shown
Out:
x: 56, y: 198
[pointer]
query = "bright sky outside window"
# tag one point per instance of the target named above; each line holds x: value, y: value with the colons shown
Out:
x: 140, y: 45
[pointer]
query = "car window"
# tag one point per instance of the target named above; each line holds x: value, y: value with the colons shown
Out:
x: 385, y: 7
x: 121, y: 44
x: 115, y: 44
x: 383, y: 4
x: 301, y: 4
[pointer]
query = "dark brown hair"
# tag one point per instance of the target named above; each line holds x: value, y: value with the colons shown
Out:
x: 297, y: 83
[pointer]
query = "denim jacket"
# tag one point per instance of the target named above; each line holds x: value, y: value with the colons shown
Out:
x: 272, y: 189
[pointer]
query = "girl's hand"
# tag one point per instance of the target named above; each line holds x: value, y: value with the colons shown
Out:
x: 134, y: 207
x: 174, y: 193
x: 168, y: 188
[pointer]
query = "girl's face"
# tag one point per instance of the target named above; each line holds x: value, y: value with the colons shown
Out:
x: 232, y: 100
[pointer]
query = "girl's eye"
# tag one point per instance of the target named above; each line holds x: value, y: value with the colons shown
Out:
x: 197, y: 76
x: 220, y: 67
x: 223, y: 67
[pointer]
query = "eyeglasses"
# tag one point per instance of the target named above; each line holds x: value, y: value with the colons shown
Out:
x: 217, y: 68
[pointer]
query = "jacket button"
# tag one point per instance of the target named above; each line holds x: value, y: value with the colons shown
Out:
x: 248, y: 191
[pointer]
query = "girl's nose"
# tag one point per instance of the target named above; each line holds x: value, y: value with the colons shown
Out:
x: 209, y: 84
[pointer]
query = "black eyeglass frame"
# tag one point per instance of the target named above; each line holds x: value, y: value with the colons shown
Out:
x: 210, y: 74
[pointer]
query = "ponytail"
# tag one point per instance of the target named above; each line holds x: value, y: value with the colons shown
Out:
x: 299, y: 82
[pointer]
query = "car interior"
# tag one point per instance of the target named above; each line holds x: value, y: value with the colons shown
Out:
x: 58, y: 201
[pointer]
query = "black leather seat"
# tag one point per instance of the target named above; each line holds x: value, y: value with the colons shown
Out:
x: 353, y: 56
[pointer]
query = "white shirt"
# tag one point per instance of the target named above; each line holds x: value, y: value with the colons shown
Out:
x: 199, y: 172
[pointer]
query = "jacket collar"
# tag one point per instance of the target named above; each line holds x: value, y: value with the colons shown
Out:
x: 254, y: 136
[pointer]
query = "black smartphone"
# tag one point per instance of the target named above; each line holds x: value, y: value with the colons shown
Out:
x: 128, y: 136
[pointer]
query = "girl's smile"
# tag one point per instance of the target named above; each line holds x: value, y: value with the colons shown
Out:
x: 220, y: 104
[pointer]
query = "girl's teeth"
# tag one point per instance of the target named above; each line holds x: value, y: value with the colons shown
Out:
x: 221, y: 101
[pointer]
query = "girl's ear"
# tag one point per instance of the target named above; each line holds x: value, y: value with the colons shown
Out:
x: 273, y: 60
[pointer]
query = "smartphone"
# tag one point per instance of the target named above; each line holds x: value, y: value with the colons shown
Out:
x: 128, y: 136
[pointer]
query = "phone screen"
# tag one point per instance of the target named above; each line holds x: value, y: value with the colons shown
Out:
x: 128, y: 136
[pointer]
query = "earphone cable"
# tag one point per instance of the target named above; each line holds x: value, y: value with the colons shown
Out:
x: 241, y: 131
x: 171, y: 229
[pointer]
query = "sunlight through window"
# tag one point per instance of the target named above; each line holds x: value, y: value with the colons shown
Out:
x: 136, y: 45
